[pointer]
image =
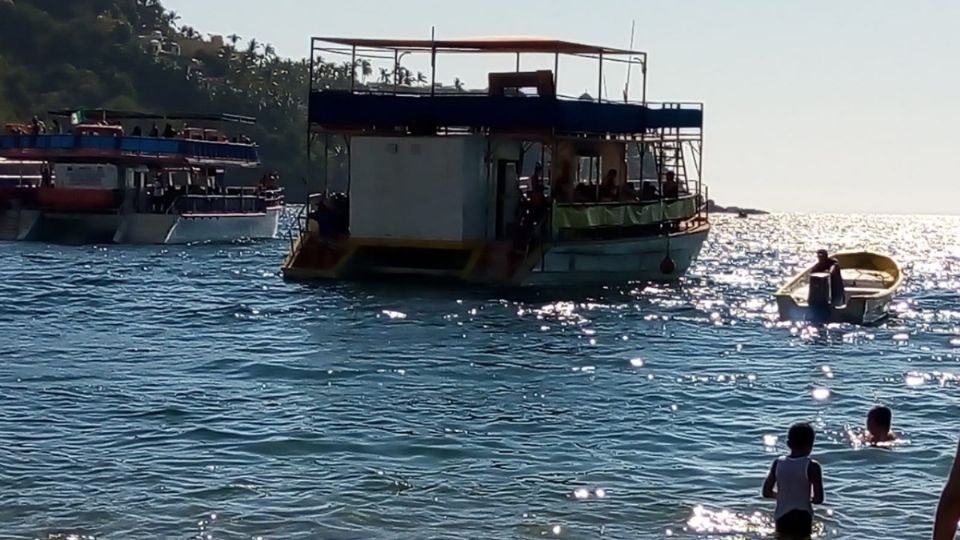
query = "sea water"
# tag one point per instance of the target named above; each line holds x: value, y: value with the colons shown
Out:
x: 188, y: 392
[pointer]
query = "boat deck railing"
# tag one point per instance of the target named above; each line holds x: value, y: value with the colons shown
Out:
x: 100, y: 145
x: 343, y: 111
x: 234, y: 200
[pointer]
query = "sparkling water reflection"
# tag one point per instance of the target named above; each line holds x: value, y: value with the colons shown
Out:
x: 189, y: 392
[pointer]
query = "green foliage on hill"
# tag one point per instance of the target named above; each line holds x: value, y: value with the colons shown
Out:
x: 120, y: 54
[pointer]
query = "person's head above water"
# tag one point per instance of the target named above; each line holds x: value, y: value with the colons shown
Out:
x: 822, y: 254
x: 879, y: 420
x: 800, y: 439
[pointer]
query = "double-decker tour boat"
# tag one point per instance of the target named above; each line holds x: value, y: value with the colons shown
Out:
x: 110, y: 179
x: 508, y: 186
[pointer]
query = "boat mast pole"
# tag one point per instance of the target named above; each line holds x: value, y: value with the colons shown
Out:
x: 433, y: 60
x: 309, y: 138
x: 600, y: 81
x: 643, y: 69
x: 556, y: 73
x: 396, y: 70
x: 353, y: 67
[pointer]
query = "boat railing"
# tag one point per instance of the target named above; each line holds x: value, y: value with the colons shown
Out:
x: 237, y: 202
x: 151, y: 146
x: 452, y: 92
x: 299, y: 227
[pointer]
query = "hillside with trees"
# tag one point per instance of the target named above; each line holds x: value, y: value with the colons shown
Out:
x: 136, y: 55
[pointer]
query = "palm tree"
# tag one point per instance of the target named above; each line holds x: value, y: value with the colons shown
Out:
x: 269, y: 51
x: 234, y: 39
x: 365, y: 69
x: 385, y: 75
x: 458, y: 84
x: 421, y: 78
x: 171, y: 18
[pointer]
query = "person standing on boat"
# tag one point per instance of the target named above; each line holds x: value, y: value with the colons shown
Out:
x: 830, y: 265
x: 825, y: 263
x: 671, y: 189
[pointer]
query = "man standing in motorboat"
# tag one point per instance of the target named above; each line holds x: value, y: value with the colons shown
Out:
x: 825, y: 262
x: 830, y: 265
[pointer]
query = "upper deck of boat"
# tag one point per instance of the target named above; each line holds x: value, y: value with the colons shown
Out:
x: 110, y: 143
x: 501, y: 106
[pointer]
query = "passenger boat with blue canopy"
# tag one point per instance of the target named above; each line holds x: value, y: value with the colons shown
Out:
x: 110, y: 177
x: 514, y: 184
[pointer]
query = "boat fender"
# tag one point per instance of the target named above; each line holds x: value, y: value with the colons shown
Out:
x: 667, y: 266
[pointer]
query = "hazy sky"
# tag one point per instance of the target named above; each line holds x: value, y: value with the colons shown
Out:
x: 812, y: 105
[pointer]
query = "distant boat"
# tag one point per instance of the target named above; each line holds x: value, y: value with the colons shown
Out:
x: 870, y: 280
x: 741, y: 214
x: 99, y: 184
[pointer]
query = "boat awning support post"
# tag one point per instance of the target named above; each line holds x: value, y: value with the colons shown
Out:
x: 433, y: 60
x: 353, y: 67
x: 600, y: 81
x: 556, y: 72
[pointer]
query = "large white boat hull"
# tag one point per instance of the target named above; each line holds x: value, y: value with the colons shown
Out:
x: 635, y: 259
x: 138, y: 228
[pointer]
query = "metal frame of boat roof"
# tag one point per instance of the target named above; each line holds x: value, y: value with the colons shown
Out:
x: 517, y: 45
x: 491, y: 44
x: 112, y: 114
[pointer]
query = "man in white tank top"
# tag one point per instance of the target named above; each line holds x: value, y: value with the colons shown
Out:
x: 796, y: 482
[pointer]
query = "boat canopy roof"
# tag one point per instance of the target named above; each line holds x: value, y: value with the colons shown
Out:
x: 113, y: 114
x: 491, y: 44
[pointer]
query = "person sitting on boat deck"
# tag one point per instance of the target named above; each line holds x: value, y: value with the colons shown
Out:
x: 583, y: 193
x: 671, y: 189
x: 609, y: 190
x: 169, y: 132
x: 56, y: 126
x: 648, y: 191
x: 563, y: 184
x: 155, y: 130
x: 878, y: 431
x: 137, y: 132
x: 37, y: 126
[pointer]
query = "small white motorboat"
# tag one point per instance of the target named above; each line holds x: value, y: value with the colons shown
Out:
x: 869, y: 282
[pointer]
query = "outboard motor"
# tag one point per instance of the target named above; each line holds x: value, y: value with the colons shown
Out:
x: 820, y: 297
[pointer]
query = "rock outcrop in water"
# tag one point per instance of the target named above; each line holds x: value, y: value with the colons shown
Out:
x: 717, y: 209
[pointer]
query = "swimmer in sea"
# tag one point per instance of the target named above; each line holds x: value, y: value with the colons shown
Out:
x: 879, y: 420
x: 796, y: 482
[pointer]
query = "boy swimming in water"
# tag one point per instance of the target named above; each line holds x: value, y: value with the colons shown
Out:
x: 796, y: 482
x: 879, y: 420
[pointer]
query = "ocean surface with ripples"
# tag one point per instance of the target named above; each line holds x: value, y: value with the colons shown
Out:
x: 188, y: 392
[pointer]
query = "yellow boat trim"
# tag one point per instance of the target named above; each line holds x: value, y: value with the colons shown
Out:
x: 472, y: 262
x: 416, y: 244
